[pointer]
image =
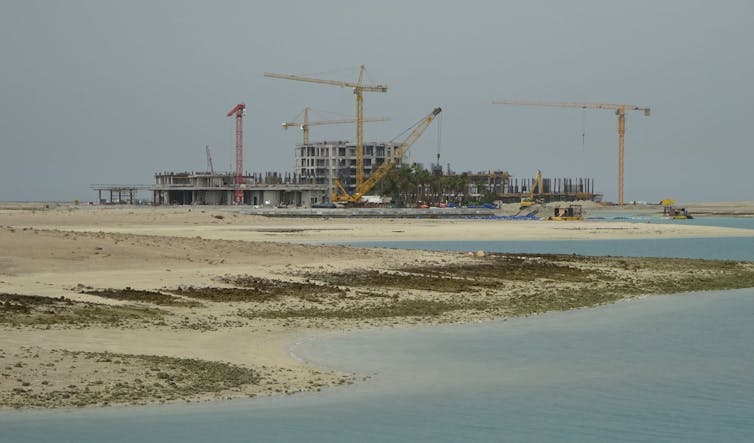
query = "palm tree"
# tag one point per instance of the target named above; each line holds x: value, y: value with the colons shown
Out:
x: 423, y: 180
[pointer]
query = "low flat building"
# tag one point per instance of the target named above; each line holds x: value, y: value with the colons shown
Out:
x: 200, y: 188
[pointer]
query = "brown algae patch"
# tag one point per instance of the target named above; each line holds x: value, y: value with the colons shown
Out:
x: 34, y: 377
x: 391, y: 309
x: 60, y: 378
x: 32, y: 310
x: 247, y: 288
x: 153, y: 297
x: 515, y: 284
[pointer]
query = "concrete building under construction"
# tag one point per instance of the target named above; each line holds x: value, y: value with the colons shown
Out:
x: 511, y: 190
x: 318, y: 164
x: 322, y: 162
x: 269, y: 189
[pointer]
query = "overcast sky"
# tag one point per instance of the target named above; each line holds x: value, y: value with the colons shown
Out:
x: 111, y: 92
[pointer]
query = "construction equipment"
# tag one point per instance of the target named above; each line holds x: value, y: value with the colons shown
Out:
x: 568, y: 213
x: 676, y: 213
x: 380, y: 173
x: 620, y: 111
x: 358, y: 88
x: 670, y: 211
x: 210, y: 166
x: 536, y: 184
x: 304, y: 125
x: 239, y: 111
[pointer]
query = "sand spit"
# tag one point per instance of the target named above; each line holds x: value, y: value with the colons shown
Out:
x: 108, y: 306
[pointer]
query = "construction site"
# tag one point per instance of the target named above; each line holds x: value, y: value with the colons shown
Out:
x: 331, y: 174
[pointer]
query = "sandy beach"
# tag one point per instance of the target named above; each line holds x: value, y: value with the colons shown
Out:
x: 135, y: 305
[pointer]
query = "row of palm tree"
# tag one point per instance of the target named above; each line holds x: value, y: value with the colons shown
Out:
x: 411, y: 184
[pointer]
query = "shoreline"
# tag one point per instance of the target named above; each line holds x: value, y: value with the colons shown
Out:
x: 236, y: 305
x: 320, y: 335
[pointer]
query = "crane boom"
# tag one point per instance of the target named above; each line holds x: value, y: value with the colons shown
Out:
x: 384, y: 168
x: 574, y: 105
x: 334, y: 122
x: 304, y: 125
x: 620, y: 111
x: 342, y: 84
x: 358, y: 89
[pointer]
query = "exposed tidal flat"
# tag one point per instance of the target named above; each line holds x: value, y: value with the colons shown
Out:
x: 138, y: 308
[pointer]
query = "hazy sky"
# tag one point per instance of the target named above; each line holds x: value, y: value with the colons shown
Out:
x: 111, y: 92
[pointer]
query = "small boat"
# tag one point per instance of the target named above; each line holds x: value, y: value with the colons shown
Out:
x: 569, y: 213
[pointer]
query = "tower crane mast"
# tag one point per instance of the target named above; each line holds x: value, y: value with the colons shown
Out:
x: 358, y: 89
x: 620, y: 111
x: 239, y: 111
x: 210, y: 166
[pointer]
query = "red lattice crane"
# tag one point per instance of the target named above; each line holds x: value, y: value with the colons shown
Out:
x: 239, y: 111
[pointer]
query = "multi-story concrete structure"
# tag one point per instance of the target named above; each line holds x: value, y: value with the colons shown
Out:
x: 317, y: 165
x: 312, y: 182
x: 322, y: 162
x: 201, y: 188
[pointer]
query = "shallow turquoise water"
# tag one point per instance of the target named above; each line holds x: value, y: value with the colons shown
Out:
x: 674, y: 368
x: 663, y: 369
x: 726, y: 248
x: 725, y: 222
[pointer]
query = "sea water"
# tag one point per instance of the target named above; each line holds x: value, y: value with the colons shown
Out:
x: 724, y: 248
x: 664, y: 368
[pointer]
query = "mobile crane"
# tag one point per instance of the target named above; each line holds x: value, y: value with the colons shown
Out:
x: 342, y: 196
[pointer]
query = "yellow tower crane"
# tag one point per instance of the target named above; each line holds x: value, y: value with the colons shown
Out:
x: 358, y: 88
x: 620, y: 111
x: 304, y: 125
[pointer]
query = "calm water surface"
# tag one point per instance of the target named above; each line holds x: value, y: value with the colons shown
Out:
x: 673, y: 368
x: 727, y: 248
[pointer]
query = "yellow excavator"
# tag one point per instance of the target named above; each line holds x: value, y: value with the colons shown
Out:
x: 536, y: 184
x: 341, y: 195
